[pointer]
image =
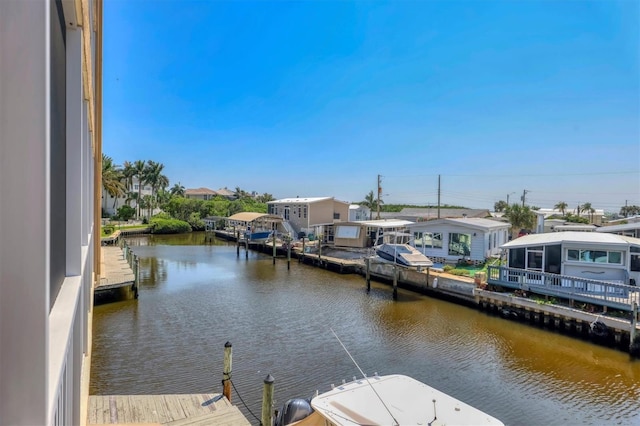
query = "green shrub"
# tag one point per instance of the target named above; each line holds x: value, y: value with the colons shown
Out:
x: 108, y: 230
x: 461, y: 272
x: 125, y: 212
x: 169, y: 226
x: 447, y: 268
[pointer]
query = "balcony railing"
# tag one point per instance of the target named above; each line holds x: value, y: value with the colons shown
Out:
x: 615, y: 295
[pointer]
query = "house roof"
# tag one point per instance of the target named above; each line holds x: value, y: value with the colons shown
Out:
x: 307, y: 200
x: 572, y: 237
x: 357, y: 206
x: 225, y: 192
x: 469, y: 222
x: 200, y: 191
x: 432, y: 213
x: 385, y: 223
x: 619, y: 228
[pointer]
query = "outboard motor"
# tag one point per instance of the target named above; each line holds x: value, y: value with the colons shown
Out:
x: 293, y: 410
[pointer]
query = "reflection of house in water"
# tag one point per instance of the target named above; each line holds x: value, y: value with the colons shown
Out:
x: 591, y: 255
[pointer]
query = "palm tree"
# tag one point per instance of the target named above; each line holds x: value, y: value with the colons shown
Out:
x: 520, y: 218
x: 139, y: 169
x: 500, y: 206
x: 127, y: 174
x: 112, y: 179
x: 371, y: 202
x: 239, y: 193
x: 155, y: 177
x: 562, y: 206
x: 177, y: 190
x: 586, y: 207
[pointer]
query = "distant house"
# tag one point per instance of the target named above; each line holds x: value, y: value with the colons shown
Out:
x: 628, y: 229
x: 419, y: 214
x: 308, y: 214
x: 226, y: 193
x: 358, y: 212
x: 451, y: 240
x: 110, y: 204
x: 200, y: 194
x: 591, y: 255
x: 595, y: 218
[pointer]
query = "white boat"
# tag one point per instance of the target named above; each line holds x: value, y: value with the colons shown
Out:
x: 403, y: 254
x: 394, y: 247
x: 382, y: 400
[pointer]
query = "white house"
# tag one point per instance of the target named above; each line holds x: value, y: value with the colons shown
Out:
x: 309, y: 214
x: 451, y: 240
x: 358, y: 212
x: 50, y: 184
x: 592, y: 255
x: 111, y: 204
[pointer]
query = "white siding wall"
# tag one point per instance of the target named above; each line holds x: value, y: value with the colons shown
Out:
x: 42, y: 344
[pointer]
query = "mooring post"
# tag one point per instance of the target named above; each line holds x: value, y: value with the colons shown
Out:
x: 136, y: 277
x: 634, y: 322
x: 302, y: 256
x: 395, y: 282
x: 289, y: 240
x: 226, y: 372
x: 267, y: 401
x: 367, y: 263
x: 237, y: 242
x: 273, y: 242
x: 246, y: 246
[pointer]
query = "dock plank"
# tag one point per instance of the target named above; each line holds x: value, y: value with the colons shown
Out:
x: 173, y: 410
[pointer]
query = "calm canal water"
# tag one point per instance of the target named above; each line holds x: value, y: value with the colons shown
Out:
x: 195, y: 296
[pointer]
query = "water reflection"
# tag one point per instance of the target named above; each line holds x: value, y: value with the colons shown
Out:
x: 194, y: 298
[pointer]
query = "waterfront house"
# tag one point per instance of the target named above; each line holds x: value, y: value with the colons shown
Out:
x: 309, y: 214
x: 50, y: 184
x: 590, y: 255
x: 460, y: 239
x: 362, y: 234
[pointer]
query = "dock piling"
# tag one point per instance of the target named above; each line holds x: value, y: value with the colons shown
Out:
x: 367, y: 262
x: 395, y: 282
x: 634, y: 322
x: 273, y: 242
x: 289, y: 240
x: 267, y: 401
x: 226, y: 372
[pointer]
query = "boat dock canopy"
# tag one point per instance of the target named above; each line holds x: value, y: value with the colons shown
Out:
x: 385, y: 223
x: 252, y: 216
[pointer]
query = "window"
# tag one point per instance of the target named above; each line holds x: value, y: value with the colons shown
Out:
x: 304, y: 214
x: 336, y: 215
x: 635, y: 262
x: 595, y: 256
x: 459, y: 244
x: 427, y: 239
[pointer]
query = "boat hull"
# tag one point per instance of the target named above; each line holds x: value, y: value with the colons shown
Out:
x: 259, y: 237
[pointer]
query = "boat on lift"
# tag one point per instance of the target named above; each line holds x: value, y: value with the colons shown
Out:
x: 395, y: 247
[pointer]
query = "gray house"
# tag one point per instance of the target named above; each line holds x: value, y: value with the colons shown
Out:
x: 452, y: 240
x: 592, y: 255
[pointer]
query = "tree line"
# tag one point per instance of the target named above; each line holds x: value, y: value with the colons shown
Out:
x: 118, y: 182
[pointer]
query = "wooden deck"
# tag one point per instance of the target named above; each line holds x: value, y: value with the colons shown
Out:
x: 169, y: 410
x: 116, y: 272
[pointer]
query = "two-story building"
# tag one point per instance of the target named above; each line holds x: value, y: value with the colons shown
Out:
x: 309, y: 214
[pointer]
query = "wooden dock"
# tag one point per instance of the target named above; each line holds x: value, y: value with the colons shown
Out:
x: 116, y: 277
x: 169, y: 410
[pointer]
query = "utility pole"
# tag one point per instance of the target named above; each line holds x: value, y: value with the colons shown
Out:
x: 438, y: 196
x: 508, y: 197
x: 524, y: 195
x: 378, y: 203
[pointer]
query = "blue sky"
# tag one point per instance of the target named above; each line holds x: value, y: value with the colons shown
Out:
x: 317, y: 98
